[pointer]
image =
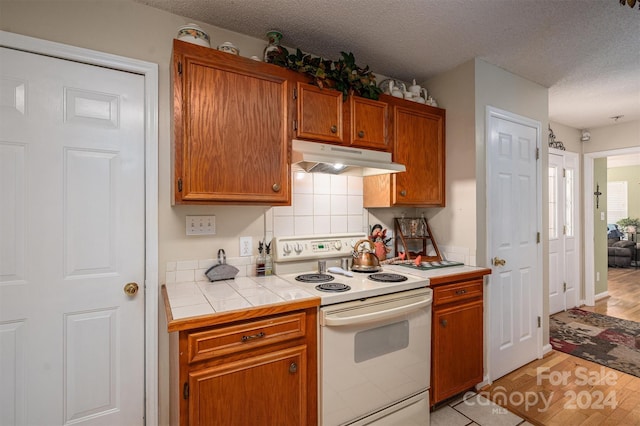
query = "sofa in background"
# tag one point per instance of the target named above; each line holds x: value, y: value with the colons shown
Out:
x: 620, y: 253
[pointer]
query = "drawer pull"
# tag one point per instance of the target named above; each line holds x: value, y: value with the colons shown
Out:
x: 253, y: 336
x: 461, y: 291
x: 443, y: 322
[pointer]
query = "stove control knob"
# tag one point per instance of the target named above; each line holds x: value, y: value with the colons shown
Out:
x: 338, y: 245
x: 286, y: 248
x: 298, y: 248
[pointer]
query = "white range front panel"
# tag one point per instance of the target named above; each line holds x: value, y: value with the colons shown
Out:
x: 375, y: 355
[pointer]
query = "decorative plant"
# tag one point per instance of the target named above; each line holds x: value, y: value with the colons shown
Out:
x: 343, y: 75
x: 629, y: 222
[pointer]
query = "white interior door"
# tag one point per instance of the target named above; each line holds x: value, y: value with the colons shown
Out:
x: 556, y: 242
x: 515, y: 291
x: 71, y: 237
x: 563, y: 222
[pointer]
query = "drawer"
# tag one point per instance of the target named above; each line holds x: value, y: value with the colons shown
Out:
x: 235, y: 338
x: 452, y: 293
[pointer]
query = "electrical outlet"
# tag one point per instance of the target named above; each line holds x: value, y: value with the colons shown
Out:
x: 201, y: 225
x: 246, y: 246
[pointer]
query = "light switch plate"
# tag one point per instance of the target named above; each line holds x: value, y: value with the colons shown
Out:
x: 201, y: 225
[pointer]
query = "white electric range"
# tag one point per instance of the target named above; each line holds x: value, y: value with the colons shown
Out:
x: 375, y: 337
x: 299, y: 255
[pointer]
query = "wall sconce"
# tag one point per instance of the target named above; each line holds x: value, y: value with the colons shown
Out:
x: 586, y: 136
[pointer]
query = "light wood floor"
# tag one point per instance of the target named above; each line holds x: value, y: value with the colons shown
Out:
x: 561, y: 389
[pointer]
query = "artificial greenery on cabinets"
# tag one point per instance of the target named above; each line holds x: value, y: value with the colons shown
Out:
x: 343, y: 75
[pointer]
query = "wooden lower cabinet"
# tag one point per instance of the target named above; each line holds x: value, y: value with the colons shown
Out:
x: 261, y: 371
x: 268, y: 389
x: 457, y: 339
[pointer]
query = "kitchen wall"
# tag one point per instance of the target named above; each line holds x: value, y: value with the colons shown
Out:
x: 600, y: 228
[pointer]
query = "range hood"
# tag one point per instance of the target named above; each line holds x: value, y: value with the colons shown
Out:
x: 313, y: 157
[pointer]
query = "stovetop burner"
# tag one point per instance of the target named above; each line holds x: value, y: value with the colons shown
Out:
x: 387, y: 277
x: 333, y: 287
x: 314, y: 278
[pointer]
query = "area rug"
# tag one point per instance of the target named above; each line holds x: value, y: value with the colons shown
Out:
x: 612, y: 342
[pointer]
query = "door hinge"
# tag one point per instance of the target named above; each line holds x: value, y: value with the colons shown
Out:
x: 185, y: 390
x: 564, y: 287
x: 539, y: 323
x: 179, y: 184
x: 537, y: 153
x: 180, y: 68
x: 538, y: 238
x: 564, y: 173
x: 295, y: 93
x: 564, y: 229
x: 295, y: 125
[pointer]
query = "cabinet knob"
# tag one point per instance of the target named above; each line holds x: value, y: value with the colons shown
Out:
x: 361, y: 134
x: 334, y: 129
x: 276, y: 187
x: 403, y: 193
x: 461, y: 291
x: 293, y: 367
x: 443, y: 322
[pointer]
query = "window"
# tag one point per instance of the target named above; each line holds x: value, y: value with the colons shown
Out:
x: 616, y: 201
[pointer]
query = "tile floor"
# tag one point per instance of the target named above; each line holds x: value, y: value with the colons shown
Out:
x: 472, y: 409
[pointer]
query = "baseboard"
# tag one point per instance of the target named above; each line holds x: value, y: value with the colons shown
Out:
x: 602, y: 295
x: 546, y: 349
x: 485, y: 382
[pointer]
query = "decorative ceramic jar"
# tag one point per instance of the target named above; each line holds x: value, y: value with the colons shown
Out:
x: 273, y: 49
x: 228, y: 47
x: 193, y: 34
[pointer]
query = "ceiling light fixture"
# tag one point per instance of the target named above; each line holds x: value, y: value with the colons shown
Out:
x: 631, y: 3
x: 586, y: 136
x: 615, y: 118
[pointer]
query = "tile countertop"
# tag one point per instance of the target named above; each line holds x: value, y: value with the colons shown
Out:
x: 438, y: 272
x: 201, y: 303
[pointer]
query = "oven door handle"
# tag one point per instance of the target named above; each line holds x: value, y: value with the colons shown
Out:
x: 337, y: 321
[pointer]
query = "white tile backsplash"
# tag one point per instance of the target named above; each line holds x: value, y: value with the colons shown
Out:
x: 303, y: 225
x: 320, y: 204
x: 339, y: 184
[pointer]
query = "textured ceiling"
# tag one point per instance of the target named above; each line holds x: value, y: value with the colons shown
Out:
x: 586, y: 51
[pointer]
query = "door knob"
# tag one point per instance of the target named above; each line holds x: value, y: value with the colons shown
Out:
x: 131, y: 289
x: 498, y: 262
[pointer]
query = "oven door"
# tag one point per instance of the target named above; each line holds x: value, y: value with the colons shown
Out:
x: 375, y: 354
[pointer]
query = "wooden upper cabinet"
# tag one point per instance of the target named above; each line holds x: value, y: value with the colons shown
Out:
x: 324, y: 116
x: 369, y: 122
x: 320, y: 113
x: 418, y: 143
x: 231, y: 131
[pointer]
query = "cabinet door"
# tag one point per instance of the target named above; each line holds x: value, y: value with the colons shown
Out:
x: 457, y: 350
x: 231, y: 133
x: 260, y: 390
x: 419, y: 145
x: 369, y: 120
x: 319, y: 114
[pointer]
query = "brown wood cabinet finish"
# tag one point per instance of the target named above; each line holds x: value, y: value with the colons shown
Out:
x: 418, y: 143
x: 457, y: 334
x: 324, y: 116
x: 369, y: 123
x: 320, y: 113
x: 231, y: 131
x: 256, y: 371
